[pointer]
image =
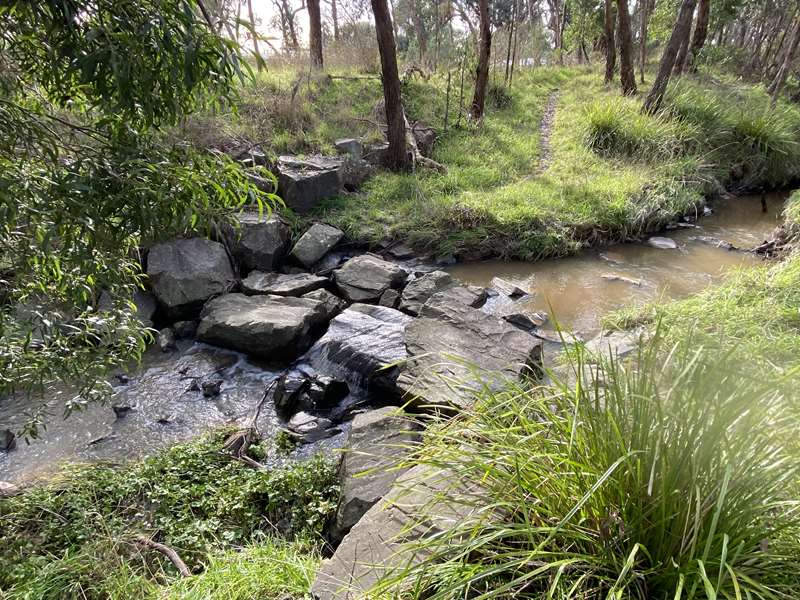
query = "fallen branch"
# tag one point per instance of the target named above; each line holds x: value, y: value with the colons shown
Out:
x: 239, y: 441
x: 173, y: 557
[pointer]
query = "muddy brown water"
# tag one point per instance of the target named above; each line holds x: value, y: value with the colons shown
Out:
x: 575, y: 292
x: 165, y: 408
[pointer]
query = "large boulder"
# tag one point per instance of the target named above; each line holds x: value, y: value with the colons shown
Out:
x: 273, y: 327
x: 365, y: 278
x: 185, y: 273
x: 419, y: 291
x: 333, y: 304
x: 280, y: 284
x: 302, y: 183
x: 378, y: 440
x: 316, y: 243
x: 452, y: 342
x: 359, y: 343
x: 262, y: 242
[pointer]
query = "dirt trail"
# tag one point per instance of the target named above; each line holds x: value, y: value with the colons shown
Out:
x: 545, y: 129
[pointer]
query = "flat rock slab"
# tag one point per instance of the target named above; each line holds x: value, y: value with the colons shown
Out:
x: 185, y: 273
x: 378, y: 440
x: 365, y: 278
x: 273, y: 327
x: 280, y: 284
x: 419, y: 291
x: 509, y: 288
x: 316, y: 243
x: 455, y: 349
x: 358, y: 343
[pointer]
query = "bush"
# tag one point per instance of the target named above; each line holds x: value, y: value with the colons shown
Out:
x: 667, y: 478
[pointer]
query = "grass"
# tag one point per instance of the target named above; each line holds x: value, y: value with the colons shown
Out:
x: 665, y: 478
x: 74, y: 536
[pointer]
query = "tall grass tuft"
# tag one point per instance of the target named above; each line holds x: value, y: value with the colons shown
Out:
x: 664, y: 478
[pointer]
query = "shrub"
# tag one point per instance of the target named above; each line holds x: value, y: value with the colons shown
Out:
x: 667, y: 478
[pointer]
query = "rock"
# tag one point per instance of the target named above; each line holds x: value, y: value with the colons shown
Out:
x: 121, y: 410
x: 419, y: 291
x: 617, y: 344
x: 715, y: 242
x: 379, y: 439
x: 662, y: 243
x: 375, y: 154
x: 166, y: 340
x: 401, y: 252
x: 186, y: 273
x: 358, y: 343
x: 312, y: 427
x: 273, y: 327
x: 350, y: 146
x: 423, y: 502
x: 622, y: 278
x: 261, y: 242
x: 185, y: 329
x: 146, y: 305
x: 316, y: 243
x: 707, y: 211
x: 8, y: 489
x: 333, y: 304
x: 281, y: 285
x: 390, y: 298
x: 288, y: 390
x: 364, y: 278
x: 326, y: 392
x: 521, y: 321
x: 556, y: 337
x: 453, y: 342
x: 446, y: 260
x: 8, y: 441
x: 211, y: 387
x: 303, y: 183
x: 470, y: 296
x: 512, y: 290
x: 354, y: 172
x: 425, y: 137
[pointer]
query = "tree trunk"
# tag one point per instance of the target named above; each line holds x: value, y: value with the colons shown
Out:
x: 680, y: 31
x: 335, y: 19
x: 510, y: 40
x: 254, y: 34
x: 611, y: 48
x: 783, y: 72
x: 315, y: 33
x: 626, y: 69
x: 397, y: 157
x: 643, y: 38
x: 484, y: 52
x: 680, y: 59
x: 419, y: 28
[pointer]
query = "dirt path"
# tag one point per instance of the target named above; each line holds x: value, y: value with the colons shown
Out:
x: 545, y: 129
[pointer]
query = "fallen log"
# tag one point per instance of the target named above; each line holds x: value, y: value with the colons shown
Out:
x: 173, y: 557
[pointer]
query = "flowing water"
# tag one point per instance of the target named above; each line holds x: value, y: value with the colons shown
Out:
x: 159, y: 404
x: 575, y: 291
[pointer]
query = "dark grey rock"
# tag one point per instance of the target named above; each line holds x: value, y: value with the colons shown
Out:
x: 288, y: 391
x: 326, y: 392
x: 364, y: 278
x: 390, y: 298
x: 419, y: 291
x: 401, y: 252
x: 211, y: 387
x: 454, y: 342
x: 472, y: 296
x: 185, y: 273
x: 166, y: 340
x: 121, y: 410
x: 279, y: 284
x: 8, y: 440
x: 303, y: 183
x: 261, y: 243
x: 185, y: 329
x: 333, y: 304
x: 350, y: 146
x: 278, y: 328
x: 316, y: 243
x: 425, y: 137
x: 375, y: 154
x: 378, y: 440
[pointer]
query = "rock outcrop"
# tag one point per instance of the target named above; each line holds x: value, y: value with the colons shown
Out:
x: 277, y: 328
x: 185, y: 273
x: 365, y: 278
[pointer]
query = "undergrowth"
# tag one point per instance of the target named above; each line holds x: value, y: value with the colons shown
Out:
x: 74, y: 537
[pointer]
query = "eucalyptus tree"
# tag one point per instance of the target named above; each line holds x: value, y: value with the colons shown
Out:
x: 315, y: 34
x: 627, y: 74
x: 482, y: 70
x: 85, y: 181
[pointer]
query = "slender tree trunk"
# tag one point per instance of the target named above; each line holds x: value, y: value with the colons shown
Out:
x: 643, y: 38
x: 611, y: 47
x: 315, y: 33
x: 513, y: 56
x: 783, y: 72
x: 700, y: 34
x: 680, y: 31
x: 484, y: 52
x: 254, y: 34
x: 683, y: 51
x: 335, y: 19
x: 397, y: 156
x: 626, y: 69
x: 419, y: 29
x: 510, y: 40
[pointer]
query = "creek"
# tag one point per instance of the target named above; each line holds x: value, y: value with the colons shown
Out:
x: 160, y: 403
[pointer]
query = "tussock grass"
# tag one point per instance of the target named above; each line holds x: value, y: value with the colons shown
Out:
x: 666, y: 478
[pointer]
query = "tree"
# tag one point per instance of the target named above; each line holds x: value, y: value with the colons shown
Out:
x: 315, y: 33
x: 609, y: 20
x: 86, y: 179
x: 627, y: 74
x: 780, y: 78
x: 397, y: 156
x: 700, y: 34
x: 680, y: 31
x: 645, y: 16
x: 254, y: 35
x: 482, y: 70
